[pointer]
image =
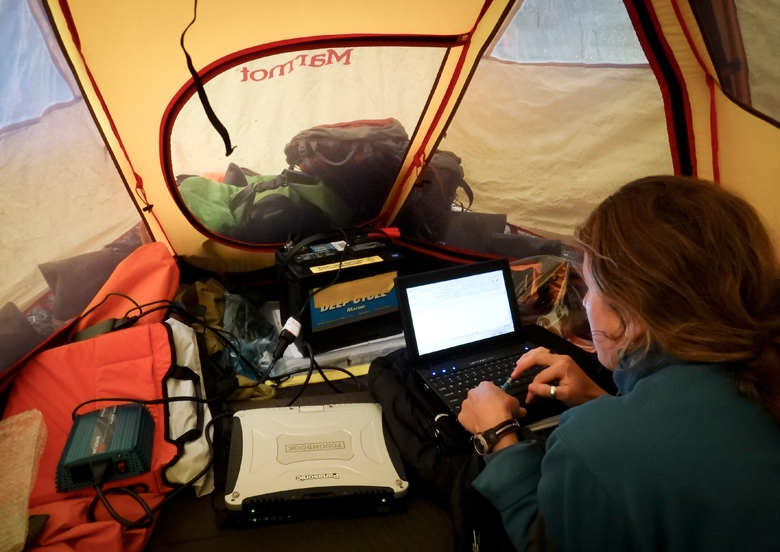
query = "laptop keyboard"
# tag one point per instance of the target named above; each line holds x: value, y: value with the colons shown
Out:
x: 454, y: 386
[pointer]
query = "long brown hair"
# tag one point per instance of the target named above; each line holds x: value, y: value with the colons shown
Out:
x: 696, y: 265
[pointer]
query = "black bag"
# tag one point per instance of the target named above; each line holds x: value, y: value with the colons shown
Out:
x: 426, y: 209
x: 437, y: 453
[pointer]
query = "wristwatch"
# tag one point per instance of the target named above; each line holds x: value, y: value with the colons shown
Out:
x: 486, y: 440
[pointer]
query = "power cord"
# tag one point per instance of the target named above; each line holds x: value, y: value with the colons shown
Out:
x: 289, y: 333
x: 130, y: 317
x: 111, y: 294
x: 165, y: 400
x: 292, y: 327
x: 313, y: 365
x: 99, y: 471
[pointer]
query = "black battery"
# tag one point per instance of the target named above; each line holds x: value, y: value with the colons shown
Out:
x: 343, y: 289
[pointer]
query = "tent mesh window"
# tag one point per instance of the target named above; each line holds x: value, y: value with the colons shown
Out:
x: 63, y: 195
x: 319, y: 136
x: 562, y: 111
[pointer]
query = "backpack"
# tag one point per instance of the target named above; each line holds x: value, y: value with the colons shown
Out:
x: 272, y: 209
x: 339, y: 176
x: 425, y: 212
x: 358, y: 160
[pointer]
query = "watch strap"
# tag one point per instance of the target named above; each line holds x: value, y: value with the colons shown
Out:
x: 486, y: 440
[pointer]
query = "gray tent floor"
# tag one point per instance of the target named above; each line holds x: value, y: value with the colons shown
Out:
x: 189, y: 524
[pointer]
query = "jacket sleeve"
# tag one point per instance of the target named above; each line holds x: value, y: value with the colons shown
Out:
x: 510, y: 483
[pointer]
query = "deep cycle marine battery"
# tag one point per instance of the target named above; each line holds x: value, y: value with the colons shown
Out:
x: 346, y: 290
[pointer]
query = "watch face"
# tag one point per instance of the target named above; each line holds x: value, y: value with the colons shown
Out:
x: 484, y: 442
x: 481, y: 445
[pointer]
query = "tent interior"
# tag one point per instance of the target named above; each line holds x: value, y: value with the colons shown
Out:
x: 108, y: 140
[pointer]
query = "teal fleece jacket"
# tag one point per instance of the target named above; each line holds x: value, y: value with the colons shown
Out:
x: 679, y: 461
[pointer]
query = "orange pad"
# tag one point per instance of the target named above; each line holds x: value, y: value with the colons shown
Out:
x: 127, y: 363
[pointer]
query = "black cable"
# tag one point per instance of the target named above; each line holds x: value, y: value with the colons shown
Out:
x: 326, y: 380
x: 313, y: 365
x: 140, y: 308
x: 164, y: 400
x: 147, y: 519
x: 335, y: 278
x: 219, y: 333
x: 144, y: 521
x: 316, y: 365
x: 114, y: 293
x: 292, y: 326
x: 334, y: 368
x: 303, y: 386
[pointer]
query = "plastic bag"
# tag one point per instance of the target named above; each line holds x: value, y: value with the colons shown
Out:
x: 549, y: 293
x: 251, y: 334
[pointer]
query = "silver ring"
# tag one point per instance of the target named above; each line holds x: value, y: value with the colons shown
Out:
x: 553, y: 391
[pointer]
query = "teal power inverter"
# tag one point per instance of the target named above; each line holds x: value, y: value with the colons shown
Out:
x: 120, y: 436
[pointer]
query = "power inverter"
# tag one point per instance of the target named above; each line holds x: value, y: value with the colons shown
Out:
x: 119, y: 435
x: 359, y: 306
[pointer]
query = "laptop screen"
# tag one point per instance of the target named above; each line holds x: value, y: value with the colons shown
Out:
x: 459, y: 311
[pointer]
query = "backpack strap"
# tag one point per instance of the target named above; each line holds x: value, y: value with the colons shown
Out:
x: 324, y: 159
x: 248, y: 194
x: 469, y: 192
x: 184, y: 373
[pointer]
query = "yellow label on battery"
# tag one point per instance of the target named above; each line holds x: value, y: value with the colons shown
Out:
x: 346, y: 264
x: 357, y: 291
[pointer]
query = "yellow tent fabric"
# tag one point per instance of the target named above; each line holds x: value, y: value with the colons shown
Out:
x: 732, y: 145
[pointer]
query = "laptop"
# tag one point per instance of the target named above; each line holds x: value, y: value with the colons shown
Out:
x: 301, y: 462
x: 462, y: 326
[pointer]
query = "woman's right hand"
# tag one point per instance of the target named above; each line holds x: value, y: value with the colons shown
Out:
x: 573, y: 386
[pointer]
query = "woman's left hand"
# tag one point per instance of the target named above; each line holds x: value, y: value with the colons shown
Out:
x: 572, y: 386
x: 486, y: 406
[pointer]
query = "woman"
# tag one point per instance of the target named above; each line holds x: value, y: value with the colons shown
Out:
x: 684, y: 306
